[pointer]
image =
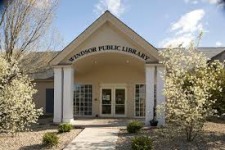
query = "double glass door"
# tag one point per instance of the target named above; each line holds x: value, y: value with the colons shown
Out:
x: 113, y: 102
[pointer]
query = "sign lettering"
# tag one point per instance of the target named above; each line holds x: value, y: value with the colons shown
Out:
x: 109, y: 48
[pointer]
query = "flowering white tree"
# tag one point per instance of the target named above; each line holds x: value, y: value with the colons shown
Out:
x: 188, y: 81
x: 25, y: 28
x: 17, y: 109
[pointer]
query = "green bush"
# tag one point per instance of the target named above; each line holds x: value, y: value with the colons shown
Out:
x: 142, y: 143
x: 64, y: 127
x: 134, y: 126
x: 50, y: 139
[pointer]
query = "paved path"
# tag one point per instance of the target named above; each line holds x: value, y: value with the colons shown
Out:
x: 102, y: 138
x: 100, y: 122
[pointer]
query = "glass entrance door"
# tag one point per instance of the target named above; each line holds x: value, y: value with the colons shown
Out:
x: 120, y: 102
x: 113, y: 102
x: 107, y: 102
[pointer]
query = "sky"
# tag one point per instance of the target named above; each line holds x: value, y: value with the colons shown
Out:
x: 160, y: 22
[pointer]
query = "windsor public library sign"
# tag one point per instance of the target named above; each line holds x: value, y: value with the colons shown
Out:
x: 105, y: 48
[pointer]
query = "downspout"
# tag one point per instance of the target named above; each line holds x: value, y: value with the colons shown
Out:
x: 62, y: 94
x: 155, y: 93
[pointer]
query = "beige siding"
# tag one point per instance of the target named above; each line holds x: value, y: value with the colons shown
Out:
x: 107, y: 35
x: 40, y: 96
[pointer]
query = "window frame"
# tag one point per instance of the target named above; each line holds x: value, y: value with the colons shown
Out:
x: 139, y: 84
x: 85, y: 92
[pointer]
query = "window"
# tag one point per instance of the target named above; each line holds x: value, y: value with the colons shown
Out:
x: 83, y: 100
x: 139, y: 100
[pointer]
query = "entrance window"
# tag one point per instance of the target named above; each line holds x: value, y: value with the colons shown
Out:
x: 139, y: 100
x: 83, y: 100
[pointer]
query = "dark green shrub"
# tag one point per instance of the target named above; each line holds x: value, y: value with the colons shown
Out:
x: 134, y: 126
x: 50, y: 139
x: 141, y: 143
x: 64, y: 127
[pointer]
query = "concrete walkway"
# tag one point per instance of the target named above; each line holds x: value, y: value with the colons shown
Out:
x: 96, y: 138
x: 102, y: 122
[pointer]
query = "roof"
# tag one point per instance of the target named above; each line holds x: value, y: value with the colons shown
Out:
x: 107, y: 17
x: 209, y: 52
x: 45, y: 72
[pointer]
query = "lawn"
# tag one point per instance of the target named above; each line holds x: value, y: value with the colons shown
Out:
x: 212, y: 138
x: 33, y: 139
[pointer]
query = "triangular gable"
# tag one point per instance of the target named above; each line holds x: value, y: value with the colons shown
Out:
x: 106, y: 17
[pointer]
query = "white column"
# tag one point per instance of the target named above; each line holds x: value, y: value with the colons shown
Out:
x: 57, y: 95
x: 149, y: 79
x: 68, y: 83
x: 159, y: 94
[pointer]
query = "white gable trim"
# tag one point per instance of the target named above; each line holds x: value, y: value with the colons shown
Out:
x: 107, y: 16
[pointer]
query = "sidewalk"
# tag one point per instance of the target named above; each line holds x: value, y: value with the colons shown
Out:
x: 103, y: 138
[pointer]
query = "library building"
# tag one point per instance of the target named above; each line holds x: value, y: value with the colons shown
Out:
x: 108, y: 71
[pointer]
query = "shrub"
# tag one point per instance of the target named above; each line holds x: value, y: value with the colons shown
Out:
x: 141, y: 143
x: 134, y: 126
x: 64, y: 127
x: 50, y: 139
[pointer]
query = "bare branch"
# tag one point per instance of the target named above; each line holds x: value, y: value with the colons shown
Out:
x: 25, y: 26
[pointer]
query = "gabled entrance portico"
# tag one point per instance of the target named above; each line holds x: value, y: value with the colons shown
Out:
x: 108, y: 71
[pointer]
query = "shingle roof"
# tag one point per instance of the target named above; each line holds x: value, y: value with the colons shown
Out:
x: 208, y: 51
x: 211, y: 51
x: 47, y: 73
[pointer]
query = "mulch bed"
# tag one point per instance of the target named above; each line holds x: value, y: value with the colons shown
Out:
x: 212, y: 138
x: 32, y: 140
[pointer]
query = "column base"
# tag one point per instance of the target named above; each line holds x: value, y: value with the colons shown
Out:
x: 147, y: 121
x: 57, y: 120
x: 68, y: 120
x: 161, y: 122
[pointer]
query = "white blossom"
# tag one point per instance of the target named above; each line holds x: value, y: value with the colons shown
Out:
x: 188, y: 81
x: 17, y: 108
